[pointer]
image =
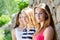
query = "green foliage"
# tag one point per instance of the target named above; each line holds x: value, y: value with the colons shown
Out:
x: 4, y: 19
x: 2, y: 7
x: 7, y: 35
x: 12, y: 6
x: 2, y: 35
x: 8, y: 7
x: 22, y: 5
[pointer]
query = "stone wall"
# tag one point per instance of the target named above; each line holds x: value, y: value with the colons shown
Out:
x: 54, y: 6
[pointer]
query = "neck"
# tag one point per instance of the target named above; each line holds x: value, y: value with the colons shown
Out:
x: 42, y: 23
x: 21, y: 26
x: 28, y: 26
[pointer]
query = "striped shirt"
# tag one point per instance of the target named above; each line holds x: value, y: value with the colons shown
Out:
x: 24, y: 34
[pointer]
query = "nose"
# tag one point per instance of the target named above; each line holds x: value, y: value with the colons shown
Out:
x: 21, y: 20
x: 38, y: 15
x: 26, y: 19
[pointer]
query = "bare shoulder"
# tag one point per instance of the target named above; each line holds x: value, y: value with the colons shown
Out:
x: 49, y: 29
x: 13, y: 34
x: 48, y: 33
x: 13, y: 31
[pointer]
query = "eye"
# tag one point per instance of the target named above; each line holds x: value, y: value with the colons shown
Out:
x: 40, y: 13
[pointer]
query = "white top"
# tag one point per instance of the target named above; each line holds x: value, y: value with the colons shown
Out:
x: 24, y: 34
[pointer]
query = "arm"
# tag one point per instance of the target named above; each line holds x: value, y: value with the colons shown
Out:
x: 13, y: 35
x: 48, y: 33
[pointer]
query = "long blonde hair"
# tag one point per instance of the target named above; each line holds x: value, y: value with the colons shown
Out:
x: 48, y: 19
x: 30, y: 13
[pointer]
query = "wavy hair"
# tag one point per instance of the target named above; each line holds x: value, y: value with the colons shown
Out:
x: 48, y: 19
x: 30, y: 14
x: 17, y: 20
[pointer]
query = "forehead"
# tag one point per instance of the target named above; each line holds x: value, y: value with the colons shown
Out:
x: 39, y: 9
x: 19, y: 15
x: 23, y: 13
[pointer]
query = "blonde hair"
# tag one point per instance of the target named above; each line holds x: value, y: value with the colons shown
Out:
x: 46, y: 23
x: 48, y: 19
x: 30, y: 13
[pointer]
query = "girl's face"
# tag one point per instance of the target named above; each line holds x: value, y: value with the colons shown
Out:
x: 39, y: 15
x: 20, y: 20
x: 24, y: 18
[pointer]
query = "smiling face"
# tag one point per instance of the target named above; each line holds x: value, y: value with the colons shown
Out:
x: 20, y: 20
x: 39, y: 15
x: 24, y: 18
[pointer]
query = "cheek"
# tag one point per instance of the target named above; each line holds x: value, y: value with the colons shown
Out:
x: 42, y: 17
x: 20, y: 21
x: 26, y: 19
x: 23, y: 20
x: 37, y: 18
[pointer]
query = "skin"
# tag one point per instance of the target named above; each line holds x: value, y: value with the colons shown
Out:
x: 39, y: 15
x: 20, y: 27
x: 23, y: 20
x: 40, y: 18
x: 13, y: 35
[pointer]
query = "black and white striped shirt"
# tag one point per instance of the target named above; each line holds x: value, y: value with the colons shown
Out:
x: 24, y: 34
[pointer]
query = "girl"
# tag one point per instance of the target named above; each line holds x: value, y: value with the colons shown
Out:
x: 17, y: 32
x: 29, y: 27
x: 23, y: 29
x: 45, y: 28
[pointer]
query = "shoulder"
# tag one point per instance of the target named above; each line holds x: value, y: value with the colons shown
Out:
x: 13, y: 31
x: 48, y: 33
x: 49, y: 29
x: 13, y: 34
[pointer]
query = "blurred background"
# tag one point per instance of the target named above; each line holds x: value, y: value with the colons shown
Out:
x: 10, y: 8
